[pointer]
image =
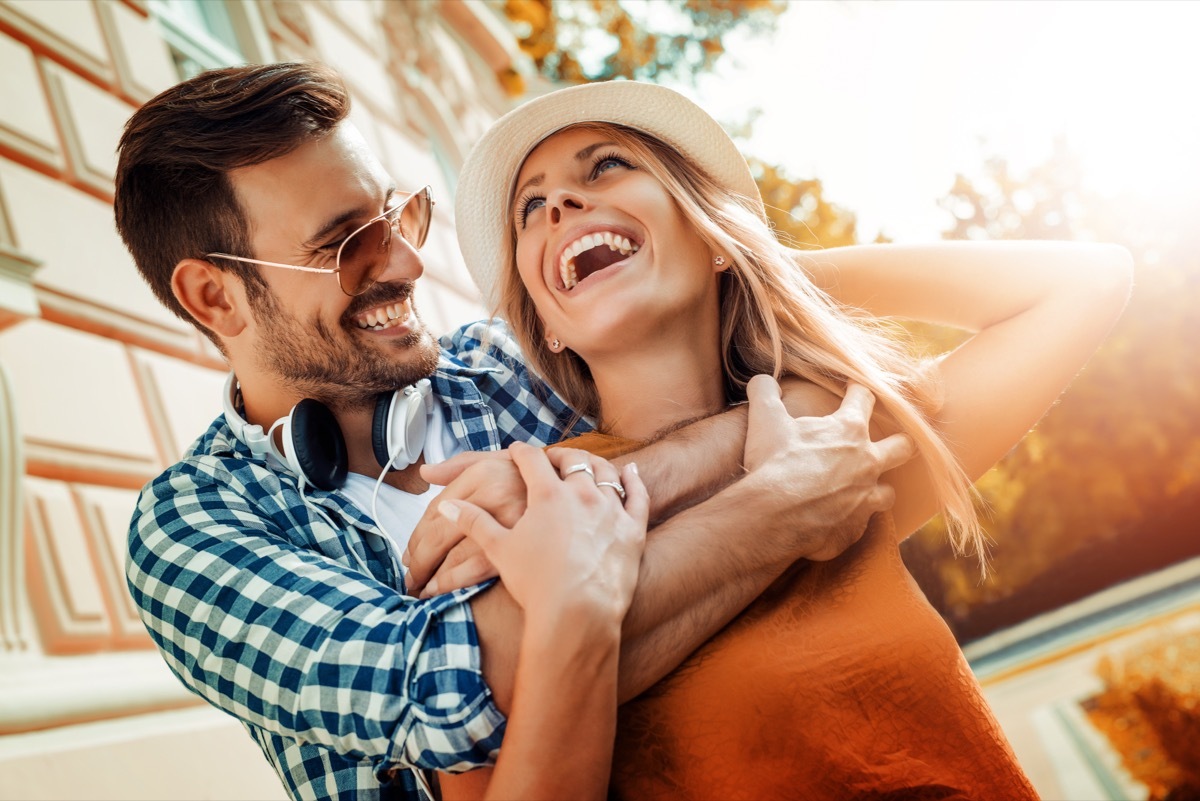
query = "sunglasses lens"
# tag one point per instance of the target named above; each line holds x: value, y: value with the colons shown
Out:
x: 363, y: 256
x: 414, y: 219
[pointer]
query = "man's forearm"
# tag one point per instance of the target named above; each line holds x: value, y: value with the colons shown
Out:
x: 691, y: 463
x: 699, y: 570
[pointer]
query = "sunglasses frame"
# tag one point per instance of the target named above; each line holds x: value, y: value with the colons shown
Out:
x: 394, y: 212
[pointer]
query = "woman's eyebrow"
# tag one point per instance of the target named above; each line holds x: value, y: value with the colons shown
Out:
x: 580, y: 156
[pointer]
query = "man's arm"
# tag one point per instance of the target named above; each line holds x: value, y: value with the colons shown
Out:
x: 682, y: 468
x: 277, y: 634
x: 810, y: 487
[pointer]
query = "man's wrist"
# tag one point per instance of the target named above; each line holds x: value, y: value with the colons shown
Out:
x: 693, y: 463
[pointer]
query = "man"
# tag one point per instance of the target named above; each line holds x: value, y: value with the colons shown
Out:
x: 256, y: 212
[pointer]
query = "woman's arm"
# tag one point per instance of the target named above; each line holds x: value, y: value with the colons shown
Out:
x: 571, y: 563
x: 1038, y: 311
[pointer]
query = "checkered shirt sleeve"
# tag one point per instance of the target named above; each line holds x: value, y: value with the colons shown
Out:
x: 524, y: 407
x: 241, y: 585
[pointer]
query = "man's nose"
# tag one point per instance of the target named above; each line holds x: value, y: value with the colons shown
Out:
x: 404, y: 262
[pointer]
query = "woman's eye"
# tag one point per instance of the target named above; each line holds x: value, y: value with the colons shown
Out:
x: 606, y: 163
x: 529, y: 205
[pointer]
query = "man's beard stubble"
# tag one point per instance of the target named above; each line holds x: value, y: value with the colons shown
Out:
x: 328, y: 365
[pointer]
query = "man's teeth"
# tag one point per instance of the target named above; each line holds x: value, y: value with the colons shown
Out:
x: 380, y: 318
x: 566, y: 264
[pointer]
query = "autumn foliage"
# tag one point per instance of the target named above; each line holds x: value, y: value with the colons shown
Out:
x: 641, y: 40
x: 1108, y: 484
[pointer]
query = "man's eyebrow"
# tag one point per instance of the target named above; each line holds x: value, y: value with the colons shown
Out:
x: 580, y: 156
x: 334, y: 223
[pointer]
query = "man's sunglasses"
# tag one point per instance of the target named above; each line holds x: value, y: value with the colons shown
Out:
x: 364, y: 254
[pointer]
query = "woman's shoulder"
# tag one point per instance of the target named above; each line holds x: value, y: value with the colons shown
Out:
x: 803, y: 398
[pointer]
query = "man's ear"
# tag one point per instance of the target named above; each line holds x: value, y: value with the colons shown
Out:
x: 213, y: 297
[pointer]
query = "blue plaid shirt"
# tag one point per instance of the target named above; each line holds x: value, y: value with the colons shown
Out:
x: 295, y: 620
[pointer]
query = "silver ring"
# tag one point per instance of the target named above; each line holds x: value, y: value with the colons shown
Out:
x: 582, y: 467
x: 615, y: 485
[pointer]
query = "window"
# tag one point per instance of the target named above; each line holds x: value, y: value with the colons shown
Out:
x: 204, y: 34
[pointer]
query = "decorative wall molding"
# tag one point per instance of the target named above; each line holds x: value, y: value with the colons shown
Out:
x: 13, y: 637
x: 94, y: 318
x: 44, y: 693
x: 56, y: 461
x: 18, y: 301
x: 74, y: 54
x: 64, y: 591
x: 105, y: 515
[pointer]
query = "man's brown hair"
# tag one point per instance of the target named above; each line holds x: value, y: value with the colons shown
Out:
x: 174, y: 199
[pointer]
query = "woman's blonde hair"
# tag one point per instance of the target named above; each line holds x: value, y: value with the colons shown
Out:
x: 774, y: 320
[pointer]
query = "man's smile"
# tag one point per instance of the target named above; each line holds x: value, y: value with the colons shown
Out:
x: 385, y: 316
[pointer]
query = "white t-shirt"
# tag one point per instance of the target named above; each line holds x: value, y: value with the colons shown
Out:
x: 399, y: 511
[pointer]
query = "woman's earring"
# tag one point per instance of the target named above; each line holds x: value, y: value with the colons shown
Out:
x: 719, y: 261
x: 555, y: 345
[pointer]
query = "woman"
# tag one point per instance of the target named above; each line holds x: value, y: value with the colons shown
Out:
x: 633, y: 260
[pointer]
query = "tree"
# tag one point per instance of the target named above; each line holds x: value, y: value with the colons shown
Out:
x: 1106, y: 486
x: 798, y: 211
x: 624, y: 39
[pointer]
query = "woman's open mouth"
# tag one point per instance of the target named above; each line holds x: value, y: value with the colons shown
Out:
x: 591, y: 253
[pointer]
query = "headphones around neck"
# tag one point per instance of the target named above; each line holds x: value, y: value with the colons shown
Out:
x: 311, y: 442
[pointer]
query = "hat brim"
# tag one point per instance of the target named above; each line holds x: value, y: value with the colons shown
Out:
x: 487, y: 178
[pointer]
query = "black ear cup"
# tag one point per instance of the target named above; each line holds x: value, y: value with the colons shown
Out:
x: 379, y: 427
x: 318, y: 445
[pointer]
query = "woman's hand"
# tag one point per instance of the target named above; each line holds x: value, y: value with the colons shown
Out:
x: 576, y: 546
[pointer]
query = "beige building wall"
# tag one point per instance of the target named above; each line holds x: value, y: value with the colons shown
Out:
x: 101, y: 388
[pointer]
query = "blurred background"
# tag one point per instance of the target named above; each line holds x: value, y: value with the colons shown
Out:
x: 863, y: 121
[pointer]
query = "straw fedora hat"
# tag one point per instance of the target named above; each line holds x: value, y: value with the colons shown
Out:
x: 487, y: 178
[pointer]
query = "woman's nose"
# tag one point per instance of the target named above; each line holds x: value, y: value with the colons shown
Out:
x: 563, y: 201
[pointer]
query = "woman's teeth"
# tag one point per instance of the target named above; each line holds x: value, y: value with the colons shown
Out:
x: 614, y: 242
x: 382, y: 317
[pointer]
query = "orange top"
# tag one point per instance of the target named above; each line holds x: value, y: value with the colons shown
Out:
x: 840, y: 682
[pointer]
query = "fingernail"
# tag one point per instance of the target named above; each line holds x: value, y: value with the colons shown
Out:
x: 633, y: 467
x: 430, y: 589
x: 404, y: 558
x: 448, y: 511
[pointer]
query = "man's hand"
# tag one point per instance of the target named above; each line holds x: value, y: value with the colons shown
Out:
x: 438, y: 558
x: 826, y: 470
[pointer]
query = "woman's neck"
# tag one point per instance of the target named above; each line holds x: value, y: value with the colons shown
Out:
x: 642, y: 393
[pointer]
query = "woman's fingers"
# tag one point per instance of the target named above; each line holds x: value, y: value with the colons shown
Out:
x: 562, y: 458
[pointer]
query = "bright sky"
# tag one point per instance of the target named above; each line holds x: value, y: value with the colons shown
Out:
x: 885, y: 101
